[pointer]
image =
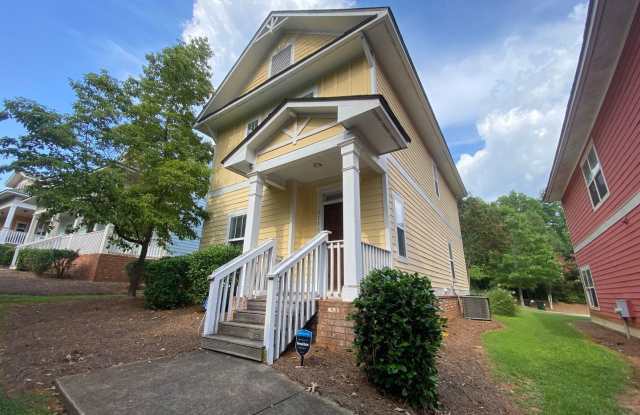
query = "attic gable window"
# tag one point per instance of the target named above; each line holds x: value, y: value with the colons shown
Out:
x: 251, y: 125
x: 281, y: 60
x: 594, y: 178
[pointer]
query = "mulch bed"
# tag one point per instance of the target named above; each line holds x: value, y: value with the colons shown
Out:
x: 41, y: 342
x: 630, y: 348
x: 26, y: 283
x: 465, y: 383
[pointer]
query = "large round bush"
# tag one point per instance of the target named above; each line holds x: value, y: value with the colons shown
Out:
x: 166, y: 285
x: 398, y: 332
x: 501, y: 302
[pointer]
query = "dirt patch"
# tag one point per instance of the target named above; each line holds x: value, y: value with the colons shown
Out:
x: 630, y: 348
x: 581, y: 309
x: 27, y: 284
x: 41, y: 342
x: 465, y: 383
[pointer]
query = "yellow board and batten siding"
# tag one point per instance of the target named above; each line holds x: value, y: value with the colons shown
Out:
x: 427, y: 231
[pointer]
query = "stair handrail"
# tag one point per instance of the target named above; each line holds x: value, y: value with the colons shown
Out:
x: 230, y: 281
x: 292, y: 288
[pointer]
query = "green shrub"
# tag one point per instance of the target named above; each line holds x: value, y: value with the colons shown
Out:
x: 40, y: 261
x: 181, y: 281
x: 398, y: 332
x: 166, y: 283
x: 6, y: 254
x: 202, y: 263
x: 501, y: 302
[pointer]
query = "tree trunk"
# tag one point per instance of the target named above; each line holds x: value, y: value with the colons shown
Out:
x: 521, y: 297
x: 550, y: 298
x: 138, y: 269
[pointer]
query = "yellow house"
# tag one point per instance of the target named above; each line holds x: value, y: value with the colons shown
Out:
x: 329, y: 162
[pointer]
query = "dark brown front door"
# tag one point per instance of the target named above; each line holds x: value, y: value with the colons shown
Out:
x: 333, y: 220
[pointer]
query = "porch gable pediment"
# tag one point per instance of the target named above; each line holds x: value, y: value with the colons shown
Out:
x: 298, y: 119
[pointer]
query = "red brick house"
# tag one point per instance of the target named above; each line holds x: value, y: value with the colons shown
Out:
x: 596, y: 170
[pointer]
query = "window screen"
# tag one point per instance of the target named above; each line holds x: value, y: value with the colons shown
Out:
x: 589, y: 287
x: 281, y: 60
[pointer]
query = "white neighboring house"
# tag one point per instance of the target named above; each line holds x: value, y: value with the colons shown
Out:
x: 23, y: 225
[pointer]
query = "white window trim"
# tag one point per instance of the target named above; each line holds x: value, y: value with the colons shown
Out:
x: 396, y: 225
x: 584, y: 287
x: 436, y: 180
x: 321, y: 192
x: 291, y: 60
x: 584, y: 158
x: 452, y: 265
x: 229, y: 217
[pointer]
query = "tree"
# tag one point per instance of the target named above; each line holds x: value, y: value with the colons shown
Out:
x: 126, y: 155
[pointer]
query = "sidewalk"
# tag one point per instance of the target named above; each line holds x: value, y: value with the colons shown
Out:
x: 200, y: 382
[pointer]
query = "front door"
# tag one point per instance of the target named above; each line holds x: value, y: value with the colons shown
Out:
x: 332, y: 220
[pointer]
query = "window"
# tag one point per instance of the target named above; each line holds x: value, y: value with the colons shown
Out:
x: 398, y: 207
x: 451, y: 264
x: 436, y: 179
x: 589, y: 287
x: 21, y: 227
x: 593, y: 176
x: 236, y: 230
x: 281, y: 60
x: 251, y: 126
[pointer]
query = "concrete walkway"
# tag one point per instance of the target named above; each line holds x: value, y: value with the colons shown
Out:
x: 200, y: 382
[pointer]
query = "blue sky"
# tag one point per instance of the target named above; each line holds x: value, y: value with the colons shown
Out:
x: 497, y: 73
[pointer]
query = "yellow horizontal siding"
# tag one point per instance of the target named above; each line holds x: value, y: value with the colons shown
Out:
x: 416, y: 158
x: 372, y: 209
x: 219, y: 208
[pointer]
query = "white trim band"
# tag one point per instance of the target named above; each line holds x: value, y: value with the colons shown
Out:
x: 612, y: 220
x: 228, y: 189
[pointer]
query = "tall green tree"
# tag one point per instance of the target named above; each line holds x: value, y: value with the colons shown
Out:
x: 126, y: 154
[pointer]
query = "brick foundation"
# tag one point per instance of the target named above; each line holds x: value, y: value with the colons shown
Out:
x: 101, y: 267
x: 450, y: 307
x: 335, y: 332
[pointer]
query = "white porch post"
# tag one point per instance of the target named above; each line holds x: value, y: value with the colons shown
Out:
x: 32, y: 228
x: 9, y: 219
x: 252, y: 226
x: 351, y: 217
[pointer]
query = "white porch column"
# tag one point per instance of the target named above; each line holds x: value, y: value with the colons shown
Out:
x: 9, y: 219
x: 252, y: 226
x: 31, y: 232
x: 351, y: 220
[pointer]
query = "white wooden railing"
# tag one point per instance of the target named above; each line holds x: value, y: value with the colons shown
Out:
x: 335, y: 251
x: 374, y: 257
x: 292, y: 290
x: 8, y: 236
x: 97, y: 242
x: 242, y: 276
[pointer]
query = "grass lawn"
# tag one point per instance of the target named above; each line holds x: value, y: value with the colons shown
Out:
x: 30, y: 404
x: 553, y: 368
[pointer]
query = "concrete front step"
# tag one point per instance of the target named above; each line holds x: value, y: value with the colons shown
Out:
x: 249, y: 349
x: 242, y: 330
x: 252, y: 317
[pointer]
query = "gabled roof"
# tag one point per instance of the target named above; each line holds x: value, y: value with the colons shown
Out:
x: 377, y: 29
x: 606, y: 30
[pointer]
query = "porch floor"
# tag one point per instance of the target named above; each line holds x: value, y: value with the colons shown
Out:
x: 192, y: 383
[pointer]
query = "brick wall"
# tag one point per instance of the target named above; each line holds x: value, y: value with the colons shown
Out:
x: 101, y: 267
x: 335, y: 332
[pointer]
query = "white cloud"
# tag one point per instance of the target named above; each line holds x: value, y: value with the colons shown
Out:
x: 515, y: 93
x: 229, y: 24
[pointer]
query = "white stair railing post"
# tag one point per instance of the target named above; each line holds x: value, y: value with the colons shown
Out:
x: 212, y: 304
x: 108, y: 230
x: 270, y: 318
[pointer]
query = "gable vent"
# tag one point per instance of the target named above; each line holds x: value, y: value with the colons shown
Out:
x: 475, y: 308
x: 281, y: 60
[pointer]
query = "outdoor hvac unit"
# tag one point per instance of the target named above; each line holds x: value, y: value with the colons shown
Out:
x: 475, y: 308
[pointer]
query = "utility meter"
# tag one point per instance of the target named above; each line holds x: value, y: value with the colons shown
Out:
x: 622, y: 308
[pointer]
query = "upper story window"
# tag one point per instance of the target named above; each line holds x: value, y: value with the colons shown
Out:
x: 251, y: 125
x: 398, y: 207
x: 594, y: 177
x: 281, y: 60
x: 436, y: 179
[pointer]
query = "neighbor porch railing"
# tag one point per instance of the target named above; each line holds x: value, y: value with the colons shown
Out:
x: 97, y: 242
x: 9, y: 236
x: 240, y: 277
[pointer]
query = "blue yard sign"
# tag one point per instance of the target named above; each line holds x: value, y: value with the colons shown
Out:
x: 303, y: 343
